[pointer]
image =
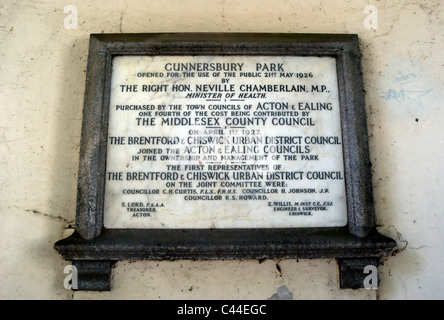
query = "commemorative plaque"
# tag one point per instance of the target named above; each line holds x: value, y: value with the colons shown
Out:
x: 224, y: 142
x: 223, y: 146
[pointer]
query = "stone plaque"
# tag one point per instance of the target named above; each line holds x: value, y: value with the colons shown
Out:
x: 223, y: 146
x: 224, y: 142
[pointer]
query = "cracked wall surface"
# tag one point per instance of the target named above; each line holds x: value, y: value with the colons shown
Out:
x: 42, y: 77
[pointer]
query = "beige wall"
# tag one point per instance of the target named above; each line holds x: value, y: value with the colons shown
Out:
x: 42, y: 76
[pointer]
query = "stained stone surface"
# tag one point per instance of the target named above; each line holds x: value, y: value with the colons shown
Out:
x: 224, y: 142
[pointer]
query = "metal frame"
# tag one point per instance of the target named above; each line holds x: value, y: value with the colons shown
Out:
x: 93, y: 249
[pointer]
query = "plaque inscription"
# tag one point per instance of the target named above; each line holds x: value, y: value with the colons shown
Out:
x: 224, y: 142
x: 224, y: 146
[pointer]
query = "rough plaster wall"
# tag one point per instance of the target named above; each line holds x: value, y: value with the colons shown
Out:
x: 42, y: 76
